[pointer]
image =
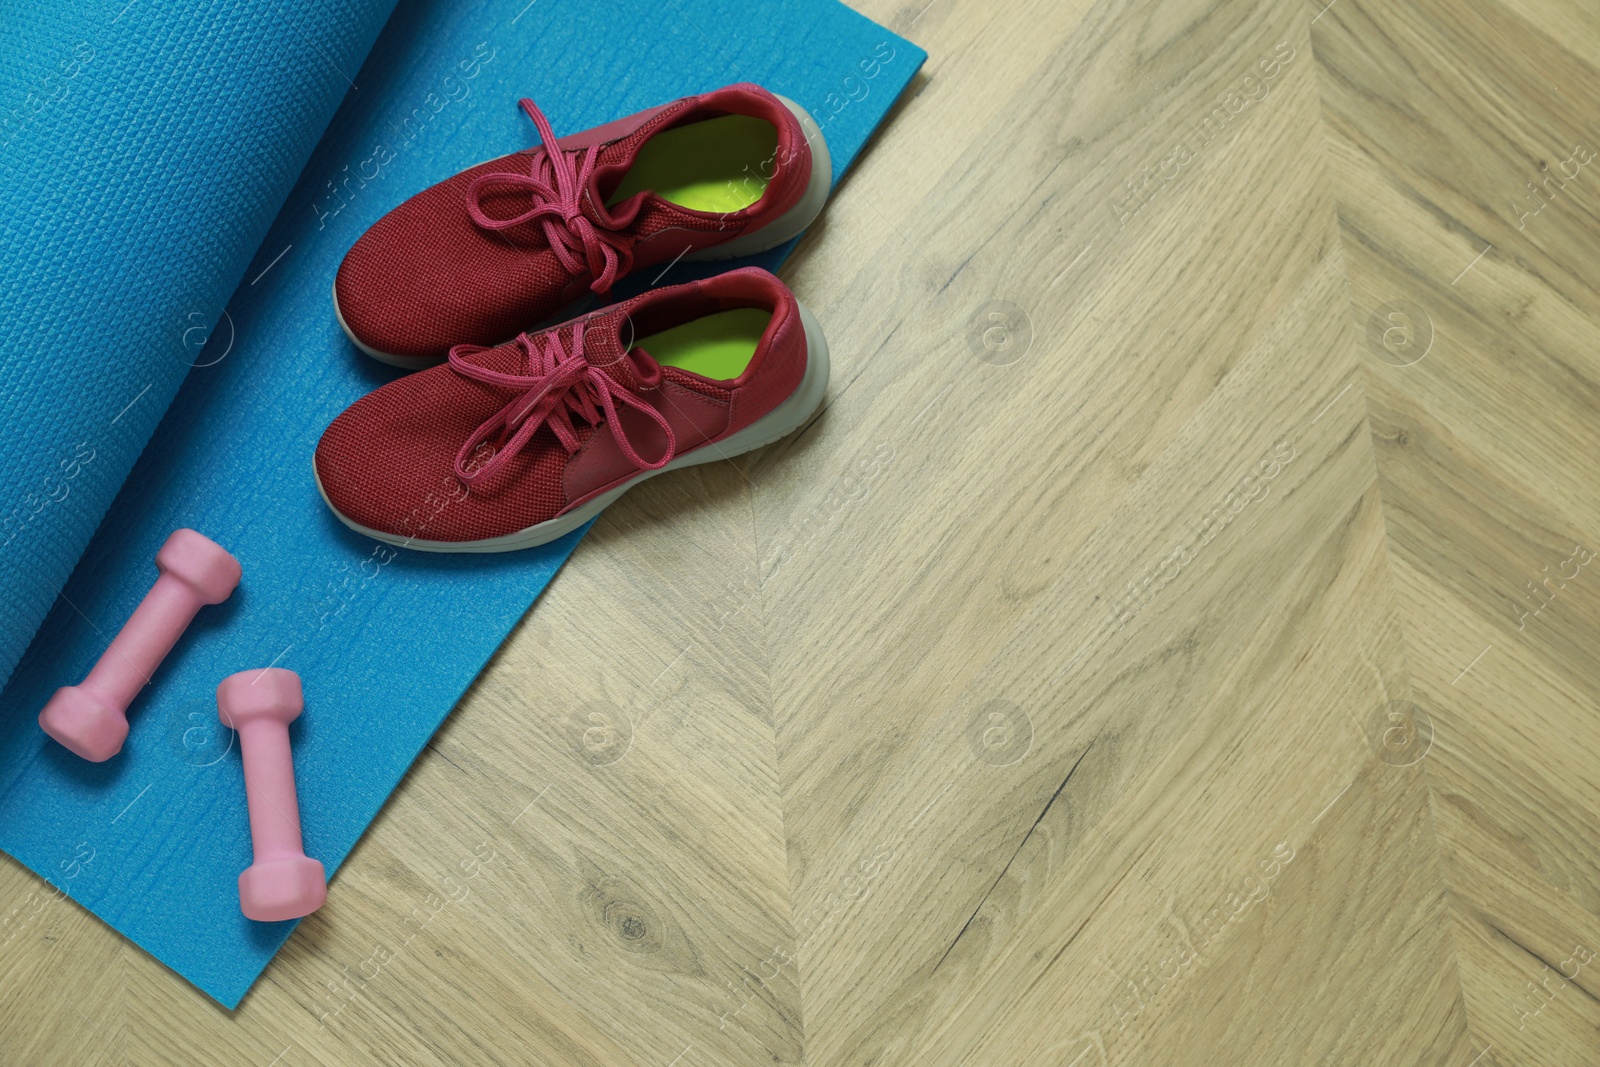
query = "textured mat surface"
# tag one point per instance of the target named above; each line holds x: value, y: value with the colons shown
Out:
x: 385, y: 641
x: 144, y: 151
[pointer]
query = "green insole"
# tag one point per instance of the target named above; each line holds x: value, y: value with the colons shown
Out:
x: 714, y: 165
x: 719, y: 345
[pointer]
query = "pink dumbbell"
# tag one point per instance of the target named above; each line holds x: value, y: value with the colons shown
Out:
x: 283, y: 882
x: 91, y: 719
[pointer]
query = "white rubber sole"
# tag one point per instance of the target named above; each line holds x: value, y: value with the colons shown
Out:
x: 775, y: 425
x: 785, y: 227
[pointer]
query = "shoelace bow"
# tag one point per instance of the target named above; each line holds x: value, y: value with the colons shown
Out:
x: 560, y: 384
x: 557, y: 183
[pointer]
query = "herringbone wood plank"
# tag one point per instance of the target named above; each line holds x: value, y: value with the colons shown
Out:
x: 1049, y: 700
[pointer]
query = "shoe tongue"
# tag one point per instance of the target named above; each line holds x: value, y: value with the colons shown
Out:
x: 621, y: 153
x: 642, y: 211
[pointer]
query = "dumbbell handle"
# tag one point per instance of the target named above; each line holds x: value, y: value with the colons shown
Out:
x: 269, y: 789
x: 144, y: 640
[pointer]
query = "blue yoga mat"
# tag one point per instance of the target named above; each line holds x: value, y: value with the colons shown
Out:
x: 386, y: 641
x: 144, y: 150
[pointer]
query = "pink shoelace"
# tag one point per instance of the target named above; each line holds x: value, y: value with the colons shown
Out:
x: 557, y: 183
x: 562, y: 384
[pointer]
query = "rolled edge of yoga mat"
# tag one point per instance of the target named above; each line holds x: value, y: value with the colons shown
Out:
x: 144, y: 152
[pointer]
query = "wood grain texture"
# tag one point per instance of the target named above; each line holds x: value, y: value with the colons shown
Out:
x: 1454, y: 201
x: 1168, y: 645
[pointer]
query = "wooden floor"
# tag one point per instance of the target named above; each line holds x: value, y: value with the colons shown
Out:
x: 1173, y: 644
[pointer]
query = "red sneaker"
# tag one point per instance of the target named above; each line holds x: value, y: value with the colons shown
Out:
x: 516, y: 240
x: 513, y: 446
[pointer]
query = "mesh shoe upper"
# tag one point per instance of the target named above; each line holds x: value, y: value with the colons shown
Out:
x: 389, y: 462
x: 427, y: 276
